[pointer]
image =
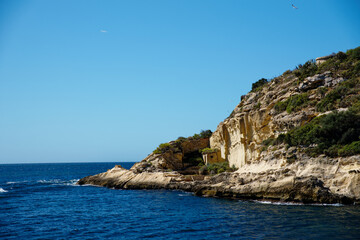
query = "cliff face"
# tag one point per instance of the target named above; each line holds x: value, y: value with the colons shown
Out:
x: 240, y: 137
x: 295, y: 100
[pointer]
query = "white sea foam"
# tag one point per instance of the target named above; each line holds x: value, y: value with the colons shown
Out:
x: 327, y: 204
x: 49, y: 181
x: 2, y: 190
x: 278, y: 203
x: 16, y: 182
x: 184, y: 194
x: 71, y: 182
x: 298, y: 204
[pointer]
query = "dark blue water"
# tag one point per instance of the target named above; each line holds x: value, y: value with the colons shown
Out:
x: 41, y: 201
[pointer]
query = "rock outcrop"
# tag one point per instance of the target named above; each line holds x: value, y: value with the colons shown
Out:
x: 177, y: 155
x: 276, y: 172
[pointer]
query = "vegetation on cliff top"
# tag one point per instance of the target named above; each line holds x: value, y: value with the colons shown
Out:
x: 175, y: 146
x: 256, y: 86
x: 335, y: 134
x: 346, y: 94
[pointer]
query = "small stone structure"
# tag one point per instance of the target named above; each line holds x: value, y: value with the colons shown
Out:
x: 212, y: 157
x: 320, y: 60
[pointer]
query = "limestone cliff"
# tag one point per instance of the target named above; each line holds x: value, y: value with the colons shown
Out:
x: 270, y: 111
x: 254, y: 120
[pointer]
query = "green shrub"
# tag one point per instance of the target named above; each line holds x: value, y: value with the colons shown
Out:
x: 344, y: 95
x: 322, y: 91
x: 325, y: 132
x: 354, y: 53
x: 196, y: 136
x: 205, y: 133
x: 355, y: 107
x: 296, y: 102
x: 293, y: 103
x: 180, y: 140
x: 268, y: 142
x: 350, y: 149
x: 341, y: 56
x: 346, y: 64
x: 217, y: 168
x: 280, y: 106
x: 332, y: 151
x: 306, y: 70
x: 256, y: 86
x: 202, y: 134
x: 208, y: 150
x: 162, y: 148
x: 329, y: 101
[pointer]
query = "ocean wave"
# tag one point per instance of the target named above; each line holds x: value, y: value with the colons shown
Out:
x: 327, y: 204
x: 71, y: 182
x: 298, y: 204
x: 278, y: 203
x: 184, y: 194
x: 2, y: 190
x: 16, y: 182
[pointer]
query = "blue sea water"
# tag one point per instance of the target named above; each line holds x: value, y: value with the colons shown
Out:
x: 41, y: 201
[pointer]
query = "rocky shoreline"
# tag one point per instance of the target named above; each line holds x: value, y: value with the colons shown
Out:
x: 283, y: 185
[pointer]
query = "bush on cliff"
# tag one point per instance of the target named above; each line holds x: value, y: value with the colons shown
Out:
x: 346, y: 64
x: 202, y: 134
x: 329, y: 133
x: 162, y: 148
x: 216, y: 168
x: 205, y: 133
x: 306, y: 70
x: 293, y: 103
x: 350, y: 149
x: 256, y: 86
x: 176, y: 145
x: 345, y: 95
x: 208, y: 150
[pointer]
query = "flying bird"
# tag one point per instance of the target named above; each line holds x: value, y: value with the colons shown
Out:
x: 103, y: 31
x: 294, y: 6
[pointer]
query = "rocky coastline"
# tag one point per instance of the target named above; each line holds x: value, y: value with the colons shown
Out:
x: 295, y: 138
x: 282, y: 184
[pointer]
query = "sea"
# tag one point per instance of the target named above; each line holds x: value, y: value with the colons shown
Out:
x: 42, y: 201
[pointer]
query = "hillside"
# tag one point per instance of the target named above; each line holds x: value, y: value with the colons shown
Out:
x: 314, y: 107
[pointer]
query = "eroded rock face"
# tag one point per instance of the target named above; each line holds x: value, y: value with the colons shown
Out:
x: 239, y: 138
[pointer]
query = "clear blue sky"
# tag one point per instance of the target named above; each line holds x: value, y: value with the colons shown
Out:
x: 108, y: 80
